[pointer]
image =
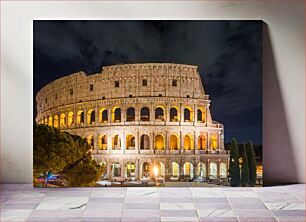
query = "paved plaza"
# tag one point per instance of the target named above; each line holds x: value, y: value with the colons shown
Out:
x: 22, y: 202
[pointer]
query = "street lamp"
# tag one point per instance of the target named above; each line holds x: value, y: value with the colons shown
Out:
x: 155, y: 171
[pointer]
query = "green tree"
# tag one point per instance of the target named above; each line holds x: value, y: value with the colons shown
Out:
x: 234, y: 170
x: 82, y: 173
x: 245, y: 175
x: 64, y: 154
x: 252, y: 163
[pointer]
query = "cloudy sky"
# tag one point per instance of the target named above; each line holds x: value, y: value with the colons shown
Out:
x: 227, y: 53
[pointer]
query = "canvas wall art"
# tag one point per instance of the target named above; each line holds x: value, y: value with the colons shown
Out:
x: 147, y: 103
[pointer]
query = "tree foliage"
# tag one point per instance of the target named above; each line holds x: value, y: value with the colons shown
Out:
x: 252, y: 163
x: 83, y: 173
x: 245, y: 175
x: 64, y: 154
x: 234, y: 170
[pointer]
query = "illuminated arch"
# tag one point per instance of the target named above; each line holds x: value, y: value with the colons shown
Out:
x: 201, y: 171
x: 213, y: 170
x: 188, y: 169
x: 116, y: 114
x: 201, y: 142
x: 159, y: 142
x: 55, y: 121
x: 188, y: 114
x: 116, y: 143
x: 144, y: 142
x: 50, y: 122
x: 103, y: 142
x: 70, y: 119
x: 80, y: 117
x: 103, y: 115
x: 175, y: 169
x: 130, y: 114
x: 146, y: 169
x: 130, y: 142
x: 159, y: 113
x: 161, y: 169
x: 173, y: 142
x: 223, y: 170
x: 62, y: 120
x: 46, y: 120
x: 213, y: 142
x: 174, y: 117
x: 116, y: 169
x: 91, y: 117
x: 130, y: 169
x: 188, y: 142
x: 145, y: 114
x: 90, y: 141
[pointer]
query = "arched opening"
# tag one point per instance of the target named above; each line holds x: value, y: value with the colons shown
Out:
x: 70, y: 119
x: 174, y: 115
x: 116, y: 143
x: 144, y: 142
x: 130, y: 142
x: 175, y: 169
x: 159, y: 142
x: 146, y: 169
x: 161, y: 167
x: 201, y: 170
x: 104, y: 168
x: 188, y: 169
x: 173, y: 142
x: 213, y: 142
x: 213, y: 170
x: 103, y: 115
x: 116, y: 114
x: 145, y: 114
x: 116, y: 170
x: 91, y: 117
x: 223, y: 170
x: 55, y: 123
x: 130, y: 169
x: 187, y: 114
x: 80, y: 117
x: 46, y: 120
x: 130, y: 114
x: 62, y: 120
x: 90, y: 141
x: 188, y: 143
x: 103, y: 142
x: 50, y: 121
x: 201, y: 142
x: 159, y: 114
x: 201, y: 115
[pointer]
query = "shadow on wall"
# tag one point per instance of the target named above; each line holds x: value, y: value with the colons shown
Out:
x: 278, y: 161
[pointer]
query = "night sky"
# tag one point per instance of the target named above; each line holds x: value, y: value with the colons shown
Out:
x: 227, y: 53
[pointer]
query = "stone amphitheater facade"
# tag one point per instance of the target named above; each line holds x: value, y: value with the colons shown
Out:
x: 140, y: 117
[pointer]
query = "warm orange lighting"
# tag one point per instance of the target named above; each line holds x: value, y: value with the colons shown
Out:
x: 155, y: 171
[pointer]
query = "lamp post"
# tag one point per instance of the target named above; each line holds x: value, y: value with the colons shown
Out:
x: 155, y: 171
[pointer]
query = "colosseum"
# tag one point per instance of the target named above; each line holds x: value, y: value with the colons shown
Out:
x: 141, y: 120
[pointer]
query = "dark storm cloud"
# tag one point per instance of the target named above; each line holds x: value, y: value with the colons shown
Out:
x: 228, y: 54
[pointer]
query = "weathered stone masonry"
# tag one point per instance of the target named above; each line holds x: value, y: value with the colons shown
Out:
x: 136, y: 116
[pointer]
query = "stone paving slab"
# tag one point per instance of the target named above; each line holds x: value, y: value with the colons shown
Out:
x: 22, y: 202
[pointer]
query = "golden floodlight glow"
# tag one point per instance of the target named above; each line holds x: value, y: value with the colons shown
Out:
x: 155, y: 171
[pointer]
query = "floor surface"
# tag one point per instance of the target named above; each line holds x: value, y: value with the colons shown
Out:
x: 22, y: 202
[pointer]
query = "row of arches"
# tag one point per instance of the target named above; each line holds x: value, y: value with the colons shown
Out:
x: 62, y: 120
x: 159, y: 142
x: 175, y: 171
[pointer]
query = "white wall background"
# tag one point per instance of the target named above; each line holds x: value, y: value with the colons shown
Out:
x: 284, y: 72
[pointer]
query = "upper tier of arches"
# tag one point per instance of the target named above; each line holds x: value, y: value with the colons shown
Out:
x: 123, y: 81
x: 129, y: 114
